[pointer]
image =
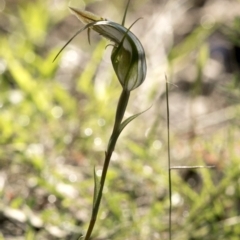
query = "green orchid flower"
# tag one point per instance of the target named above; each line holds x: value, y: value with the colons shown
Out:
x: 128, y: 56
x: 129, y: 63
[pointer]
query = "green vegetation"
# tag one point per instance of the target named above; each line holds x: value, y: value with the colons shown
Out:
x: 56, y: 119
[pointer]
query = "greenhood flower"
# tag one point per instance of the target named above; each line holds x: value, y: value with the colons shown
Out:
x: 128, y: 56
x: 129, y: 63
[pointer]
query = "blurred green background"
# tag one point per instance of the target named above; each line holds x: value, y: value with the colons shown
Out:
x: 55, y: 120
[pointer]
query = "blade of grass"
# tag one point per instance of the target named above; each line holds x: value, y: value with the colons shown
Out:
x: 169, y: 165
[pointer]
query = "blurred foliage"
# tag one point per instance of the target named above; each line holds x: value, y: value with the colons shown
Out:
x: 55, y: 119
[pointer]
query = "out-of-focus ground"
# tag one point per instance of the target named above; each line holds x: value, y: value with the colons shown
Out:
x: 55, y: 120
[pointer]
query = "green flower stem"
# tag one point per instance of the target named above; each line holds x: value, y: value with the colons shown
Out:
x: 121, y: 108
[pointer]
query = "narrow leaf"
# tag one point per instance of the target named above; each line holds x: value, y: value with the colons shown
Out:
x: 79, y: 31
x: 88, y: 33
x: 128, y: 120
x: 125, y: 13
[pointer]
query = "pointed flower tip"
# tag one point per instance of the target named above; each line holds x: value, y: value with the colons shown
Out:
x: 84, y: 16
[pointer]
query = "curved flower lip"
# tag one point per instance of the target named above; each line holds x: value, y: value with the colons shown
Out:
x: 128, y: 56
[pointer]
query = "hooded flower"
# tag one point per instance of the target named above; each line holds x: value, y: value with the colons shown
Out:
x: 128, y: 56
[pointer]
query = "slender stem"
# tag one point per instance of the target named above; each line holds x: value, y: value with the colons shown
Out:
x: 99, y: 196
x: 169, y: 167
x: 121, y: 108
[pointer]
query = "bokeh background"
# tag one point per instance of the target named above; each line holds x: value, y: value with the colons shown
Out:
x: 56, y: 118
